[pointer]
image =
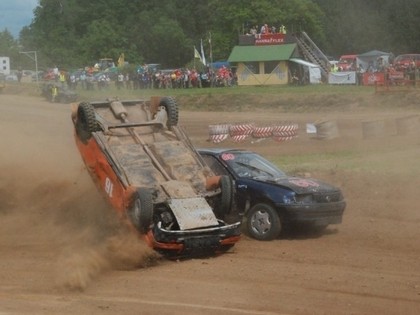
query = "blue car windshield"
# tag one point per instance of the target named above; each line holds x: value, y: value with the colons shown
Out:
x: 246, y: 164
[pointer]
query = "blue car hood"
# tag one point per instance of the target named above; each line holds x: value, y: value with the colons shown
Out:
x: 299, y: 185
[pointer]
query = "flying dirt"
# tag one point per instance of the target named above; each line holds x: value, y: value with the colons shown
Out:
x: 64, y: 251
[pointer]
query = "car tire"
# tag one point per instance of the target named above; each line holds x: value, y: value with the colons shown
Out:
x: 263, y: 222
x: 86, y: 121
x: 171, y: 109
x: 226, y: 187
x: 141, y: 210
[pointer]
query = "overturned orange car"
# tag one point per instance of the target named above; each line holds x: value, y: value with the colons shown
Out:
x: 147, y: 168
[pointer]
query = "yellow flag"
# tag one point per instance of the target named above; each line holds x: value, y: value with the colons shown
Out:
x: 121, y: 60
x: 196, y: 53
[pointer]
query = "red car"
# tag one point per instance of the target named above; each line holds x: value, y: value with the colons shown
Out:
x: 403, y: 62
x: 347, y: 63
x: 153, y: 177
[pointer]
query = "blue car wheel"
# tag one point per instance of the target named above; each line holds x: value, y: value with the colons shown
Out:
x: 263, y: 222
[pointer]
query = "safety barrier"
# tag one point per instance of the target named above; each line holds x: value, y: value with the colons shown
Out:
x: 396, y: 85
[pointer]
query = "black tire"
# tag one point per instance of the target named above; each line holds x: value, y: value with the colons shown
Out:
x: 263, y: 222
x: 171, y: 109
x: 226, y: 187
x: 86, y: 121
x: 141, y: 210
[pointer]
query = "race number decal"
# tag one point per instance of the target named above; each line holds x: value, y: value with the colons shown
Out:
x: 304, y: 182
x: 228, y: 157
x: 109, y: 186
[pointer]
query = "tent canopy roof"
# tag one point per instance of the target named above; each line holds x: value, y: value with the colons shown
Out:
x: 261, y: 53
x: 305, y: 63
x: 374, y: 53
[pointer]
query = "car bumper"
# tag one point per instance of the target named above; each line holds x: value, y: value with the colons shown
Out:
x: 317, y: 214
x: 193, y: 243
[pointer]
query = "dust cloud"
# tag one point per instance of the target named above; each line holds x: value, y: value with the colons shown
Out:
x: 75, y: 225
x: 50, y: 205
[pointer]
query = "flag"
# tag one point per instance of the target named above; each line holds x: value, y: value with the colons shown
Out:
x: 121, y: 60
x: 196, y: 53
x: 203, y: 58
x: 211, y: 50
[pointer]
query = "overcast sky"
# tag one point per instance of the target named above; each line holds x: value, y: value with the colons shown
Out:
x: 15, y: 14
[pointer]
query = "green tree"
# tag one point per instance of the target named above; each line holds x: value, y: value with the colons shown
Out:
x: 9, y: 47
x: 231, y: 18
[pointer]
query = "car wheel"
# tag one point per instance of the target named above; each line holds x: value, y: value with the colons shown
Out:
x: 141, y: 211
x: 86, y: 121
x: 263, y: 222
x: 226, y: 187
x: 171, y: 109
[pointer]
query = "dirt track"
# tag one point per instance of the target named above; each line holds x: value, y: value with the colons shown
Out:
x: 62, y: 252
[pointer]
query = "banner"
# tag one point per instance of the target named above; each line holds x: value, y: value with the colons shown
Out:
x: 269, y: 39
x: 372, y: 78
x: 345, y: 77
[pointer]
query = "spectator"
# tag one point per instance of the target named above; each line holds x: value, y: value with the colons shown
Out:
x: 253, y: 30
x: 264, y: 29
x: 19, y: 75
x: 282, y: 29
x: 120, y: 80
x: 127, y: 81
x: 54, y: 93
x: 359, y: 74
x: 83, y: 80
x: 72, y: 81
x: 295, y: 78
x: 56, y: 73
x: 62, y: 78
x: 89, y: 82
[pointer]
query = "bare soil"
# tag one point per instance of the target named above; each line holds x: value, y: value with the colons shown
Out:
x: 63, y: 252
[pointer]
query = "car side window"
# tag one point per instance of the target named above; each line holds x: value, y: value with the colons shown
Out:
x: 215, y: 165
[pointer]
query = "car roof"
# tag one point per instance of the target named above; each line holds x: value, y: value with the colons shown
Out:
x: 348, y: 56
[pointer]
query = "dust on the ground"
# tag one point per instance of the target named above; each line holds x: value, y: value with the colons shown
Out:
x: 64, y: 250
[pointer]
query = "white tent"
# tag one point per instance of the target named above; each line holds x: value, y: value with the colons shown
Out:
x: 373, y: 59
x: 314, y: 70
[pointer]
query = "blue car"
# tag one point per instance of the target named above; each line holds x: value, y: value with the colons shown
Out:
x: 272, y: 201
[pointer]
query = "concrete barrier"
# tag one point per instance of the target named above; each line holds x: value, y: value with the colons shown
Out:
x: 327, y: 130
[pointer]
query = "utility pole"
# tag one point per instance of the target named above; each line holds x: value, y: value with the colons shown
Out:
x: 211, y: 61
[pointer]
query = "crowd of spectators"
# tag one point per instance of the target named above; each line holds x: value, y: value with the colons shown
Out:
x: 394, y: 73
x: 191, y: 78
x: 266, y: 29
x: 144, y: 78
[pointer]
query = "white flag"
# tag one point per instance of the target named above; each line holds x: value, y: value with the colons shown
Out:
x: 203, y: 58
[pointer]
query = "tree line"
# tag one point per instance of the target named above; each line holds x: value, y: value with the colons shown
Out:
x: 72, y: 33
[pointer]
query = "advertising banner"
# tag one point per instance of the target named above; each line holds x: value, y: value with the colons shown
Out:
x: 372, y: 78
x: 345, y: 77
x: 269, y: 39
